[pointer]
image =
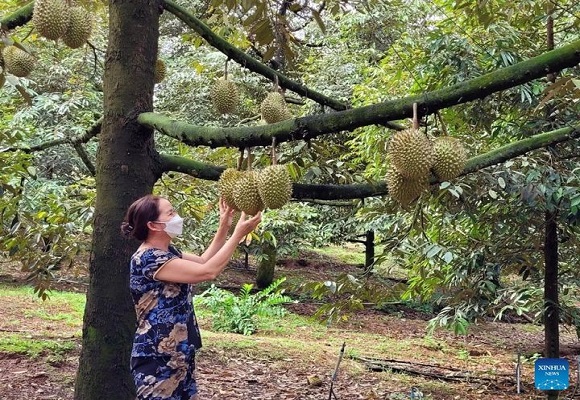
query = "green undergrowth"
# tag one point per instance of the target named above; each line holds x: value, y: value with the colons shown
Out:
x: 34, y: 327
x: 33, y: 348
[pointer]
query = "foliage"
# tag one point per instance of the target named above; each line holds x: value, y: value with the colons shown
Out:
x: 344, y: 296
x: 238, y: 314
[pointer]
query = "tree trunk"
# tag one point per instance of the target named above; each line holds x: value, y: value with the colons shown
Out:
x: 369, y: 249
x: 265, y: 273
x: 126, y: 170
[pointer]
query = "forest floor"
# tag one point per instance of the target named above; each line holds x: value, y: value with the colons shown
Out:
x: 386, y: 354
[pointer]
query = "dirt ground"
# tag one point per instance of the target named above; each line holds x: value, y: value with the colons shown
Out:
x: 435, y: 364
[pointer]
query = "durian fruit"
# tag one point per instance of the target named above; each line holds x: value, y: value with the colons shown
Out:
x: 405, y: 190
x: 17, y: 61
x: 246, y: 195
x: 411, y: 154
x: 224, y: 96
x: 78, y: 31
x: 274, y: 108
x: 274, y: 186
x: 450, y: 157
x: 160, y: 70
x: 50, y: 17
x: 226, y: 185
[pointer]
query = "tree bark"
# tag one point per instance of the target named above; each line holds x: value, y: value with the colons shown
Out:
x: 126, y: 170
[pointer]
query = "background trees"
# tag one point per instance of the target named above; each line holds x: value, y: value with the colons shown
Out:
x: 334, y: 56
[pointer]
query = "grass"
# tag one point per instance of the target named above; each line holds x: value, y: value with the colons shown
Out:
x: 348, y: 254
x: 35, y: 347
x: 34, y: 327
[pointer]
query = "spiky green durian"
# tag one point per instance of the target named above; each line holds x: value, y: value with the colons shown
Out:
x: 274, y: 108
x: 450, y: 157
x: 226, y: 184
x: 160, y: 70
x: 80, y: 25
x: 17, y: 61
x: 224, y: 96
x: 411, y: 153
x: 50, y: 17
x: 404, y: 190
x: 274, y: 186
x: 246, y: 195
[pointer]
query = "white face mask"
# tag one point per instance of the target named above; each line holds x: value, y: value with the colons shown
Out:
x: 173, y: 227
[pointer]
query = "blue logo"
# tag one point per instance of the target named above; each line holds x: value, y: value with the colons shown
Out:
x: 552, y: 374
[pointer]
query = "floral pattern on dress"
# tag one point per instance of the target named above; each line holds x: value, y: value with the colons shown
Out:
x: 167, y: 333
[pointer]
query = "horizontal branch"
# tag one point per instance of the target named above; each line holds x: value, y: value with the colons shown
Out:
x: 309, y: 192
x: 312, y: 126
x: 17, y: 18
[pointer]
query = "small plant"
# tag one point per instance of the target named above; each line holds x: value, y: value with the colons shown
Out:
x: 238, y: 314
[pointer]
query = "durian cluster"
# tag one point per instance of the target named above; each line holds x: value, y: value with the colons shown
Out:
x: 253, y: 191
x: 55, y: 19
x: 414, y: 156
x: 225, y: 98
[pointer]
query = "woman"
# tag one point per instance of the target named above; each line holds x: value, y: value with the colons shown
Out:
x: 162, y: 359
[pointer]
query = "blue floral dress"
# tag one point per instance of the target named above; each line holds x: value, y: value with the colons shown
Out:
x: 167, y: 336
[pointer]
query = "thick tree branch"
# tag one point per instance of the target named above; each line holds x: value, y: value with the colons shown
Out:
x: 17, y: 18
x: 358, y: 191
x: 190, y: 167
x: 316, y: 125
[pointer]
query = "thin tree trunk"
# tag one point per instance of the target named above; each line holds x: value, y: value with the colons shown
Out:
x: 125, y: 171
x: 551, y: 302
x: 266, y: 266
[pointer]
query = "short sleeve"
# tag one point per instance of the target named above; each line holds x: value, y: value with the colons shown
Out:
x: 154, y: 260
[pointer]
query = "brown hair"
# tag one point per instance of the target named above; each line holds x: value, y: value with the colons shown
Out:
x: 139, y: 213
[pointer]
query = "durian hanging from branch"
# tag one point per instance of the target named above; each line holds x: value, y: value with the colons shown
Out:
x: 273, y: 108
x: 274, y: 183
x: 245, y: 191
x: 411, y: 155
x: 224, y: 94
x: 160, y: 70
x: 56, y: 19
x: 450, y: 155
x: 17, y: 61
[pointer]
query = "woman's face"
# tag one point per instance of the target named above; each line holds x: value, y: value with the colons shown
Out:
x: 166, y: 211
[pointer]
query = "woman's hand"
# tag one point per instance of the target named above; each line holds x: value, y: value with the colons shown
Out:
x: 245, y: 226
x: 226, y: 214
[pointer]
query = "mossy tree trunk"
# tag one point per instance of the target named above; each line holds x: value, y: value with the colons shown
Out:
x: 126, y: 170
x: 266, y: 266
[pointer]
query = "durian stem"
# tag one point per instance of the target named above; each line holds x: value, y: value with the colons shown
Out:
x: 226, y: 69
x: 249, y: 159
x: 274, y: 150
x: 415, y: 117
x: 443, y: 127
x: 241, y: 158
